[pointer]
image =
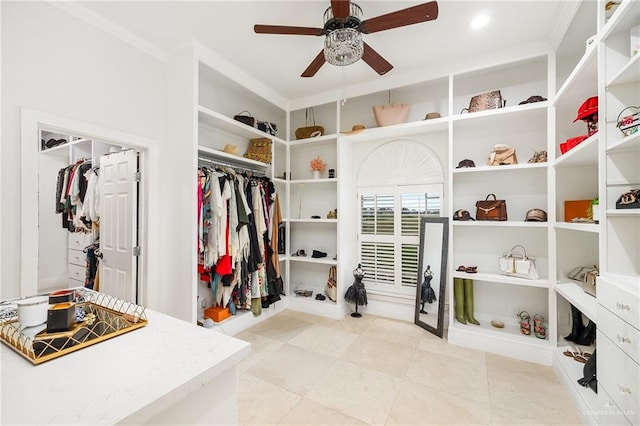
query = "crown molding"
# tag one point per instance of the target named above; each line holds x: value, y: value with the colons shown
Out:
x: 87, y: 15
x: 564, y: 16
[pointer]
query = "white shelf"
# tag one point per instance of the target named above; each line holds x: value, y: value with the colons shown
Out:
x: 228, y: 125
x: 627, y: 15
x: 573, y: 293
x: 316, y: 141
x: 628, y: 143
x: 630, y: 72
x: 511, y: 332
x: 585, y: 154
x: 313, y: 181
x: 397, y: 130
x: 581, y: 227
x: 308, y: 259
x: 497, y: 169
x: 502, y: 224
x: 502, y: 279
x: 583, y: 78
x: 215, y: 154
x: 313, y: 220
x: 64, y: 146
x: 623, y: 213
x: 568, y: 372
x: 279, y: 180
x: 507, y: 120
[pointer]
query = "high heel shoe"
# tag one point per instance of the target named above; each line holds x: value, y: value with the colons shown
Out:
x: 525, y: 325
x: 538, y: 327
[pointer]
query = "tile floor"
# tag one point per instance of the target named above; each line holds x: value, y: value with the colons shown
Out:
x: 310, y: 370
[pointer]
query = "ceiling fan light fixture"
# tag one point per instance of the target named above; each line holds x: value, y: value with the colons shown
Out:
x: 343, y: 46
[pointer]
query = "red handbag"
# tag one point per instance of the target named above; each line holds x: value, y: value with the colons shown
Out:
x: 571, y: 143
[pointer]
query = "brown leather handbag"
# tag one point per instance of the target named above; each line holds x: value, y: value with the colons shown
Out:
x: 491, y: 209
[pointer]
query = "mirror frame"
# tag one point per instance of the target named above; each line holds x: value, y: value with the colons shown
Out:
x: 444, y: 221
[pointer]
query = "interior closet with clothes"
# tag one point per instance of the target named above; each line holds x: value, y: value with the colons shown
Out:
x: 238, y: 220
x: 87, y: 205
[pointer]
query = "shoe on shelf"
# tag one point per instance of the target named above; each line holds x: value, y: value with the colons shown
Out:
x: 538, y: 327
x: 316, y: 254
x: 300, y: 253
x: 525, y: 324
x: 471, y: 269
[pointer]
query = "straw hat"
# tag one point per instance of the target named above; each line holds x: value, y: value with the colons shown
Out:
x: 357, y: 128
x: 231, y: 149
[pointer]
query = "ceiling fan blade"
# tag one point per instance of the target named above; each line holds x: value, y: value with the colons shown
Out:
x: 283, y: 29
x: 375, y: 61
x: 315, y: 65
x: 340, y: 9
x: 409, y: 16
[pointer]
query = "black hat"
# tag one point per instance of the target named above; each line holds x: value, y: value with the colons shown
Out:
x: 532, y: 99
x: 465, y: 163
x: 462, y: 215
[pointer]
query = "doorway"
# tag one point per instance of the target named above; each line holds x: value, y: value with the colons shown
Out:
x: 66, y: 242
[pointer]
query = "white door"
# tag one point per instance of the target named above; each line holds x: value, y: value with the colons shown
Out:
x: 118, y: 224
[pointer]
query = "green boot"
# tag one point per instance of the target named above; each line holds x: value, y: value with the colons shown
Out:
x: 468, y: 301
x: 458, y: 296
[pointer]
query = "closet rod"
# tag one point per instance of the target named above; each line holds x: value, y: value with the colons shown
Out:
x: 230, y: 165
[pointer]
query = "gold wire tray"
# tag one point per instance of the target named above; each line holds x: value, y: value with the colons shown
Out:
x: 99, y: 317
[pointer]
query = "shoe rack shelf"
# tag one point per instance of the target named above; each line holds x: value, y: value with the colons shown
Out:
x: 502, y: 279
x: 574, y: 294
x: 568, y: 372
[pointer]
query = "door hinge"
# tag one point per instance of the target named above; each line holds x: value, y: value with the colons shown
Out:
x: 136, y: 251
x: 137, y: 176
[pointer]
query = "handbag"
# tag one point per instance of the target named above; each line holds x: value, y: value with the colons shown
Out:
x: 491, y: 209
x: 485, y: 101
x: 332, y: 287
x: 516, y: 263
x: 629, y: 200
x: 245, y: 117
x: 389, y: 114
x: 267, y: 127
x: 260, y: 150
x: 309, y: 131
x: 502, y: 155
x: 629, y: 124
x: 589, y: 283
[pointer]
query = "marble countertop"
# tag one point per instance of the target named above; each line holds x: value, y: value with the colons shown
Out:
x: 128, y: 378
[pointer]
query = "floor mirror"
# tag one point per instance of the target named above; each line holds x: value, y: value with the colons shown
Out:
x: 432, y: 274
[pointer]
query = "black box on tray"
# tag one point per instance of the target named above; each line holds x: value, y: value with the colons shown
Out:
x: 61, y: 317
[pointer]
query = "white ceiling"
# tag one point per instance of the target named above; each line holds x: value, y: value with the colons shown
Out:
x: 226, y: 27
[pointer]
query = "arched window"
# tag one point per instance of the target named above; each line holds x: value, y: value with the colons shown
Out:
x: 398, y: 183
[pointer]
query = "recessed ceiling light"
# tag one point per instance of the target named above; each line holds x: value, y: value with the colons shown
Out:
x: 480, y: 21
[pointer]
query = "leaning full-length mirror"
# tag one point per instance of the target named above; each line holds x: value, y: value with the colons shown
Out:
x: 432, y: 271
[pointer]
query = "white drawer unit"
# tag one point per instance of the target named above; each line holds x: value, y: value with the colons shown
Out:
x: 624, y: 336
x: 620, y: 376
x: 75, y: 283
x: 79, y: 240
x: 77, y: 257
x: 77, y: 272
x: 607, y: 411
x: 621, y: 297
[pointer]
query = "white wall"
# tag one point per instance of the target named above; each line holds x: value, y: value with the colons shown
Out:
x: 57, y: 64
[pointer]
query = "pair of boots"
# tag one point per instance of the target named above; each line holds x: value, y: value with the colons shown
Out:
x: 463, y: 296
x: 581, y: 334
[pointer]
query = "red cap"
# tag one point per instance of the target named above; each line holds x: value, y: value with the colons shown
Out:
x: 588, y: 108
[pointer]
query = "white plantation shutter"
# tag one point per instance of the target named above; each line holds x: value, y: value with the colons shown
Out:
x: 399, y: 182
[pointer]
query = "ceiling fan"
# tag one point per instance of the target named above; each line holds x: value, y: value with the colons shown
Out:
x: 343, y: 29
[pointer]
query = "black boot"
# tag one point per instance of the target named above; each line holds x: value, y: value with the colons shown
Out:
x: 587, y: 336
x: 577, y: 325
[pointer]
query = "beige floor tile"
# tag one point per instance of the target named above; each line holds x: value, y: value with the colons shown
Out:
x: 433, y: 344
x: 281, y: 327
x: 261, y: 403
x: 462, y: 377
x: 355, y: 325
x: 315, y: 319
x: 547, y: 399
x: 308, y: 412
x: 507, y: 418
x: 364, y: 394
x: 379, y: 355
x: 324, y: 340
x: 395, y: 332
x: 506, y: 372
x: 292, y: 368
x: 261, y: 347
x: 418, y: 404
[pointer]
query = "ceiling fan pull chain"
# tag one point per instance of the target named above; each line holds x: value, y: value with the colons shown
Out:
x: 344, y: 92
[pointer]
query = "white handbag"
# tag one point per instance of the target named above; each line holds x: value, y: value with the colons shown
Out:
x: 516, y: 263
